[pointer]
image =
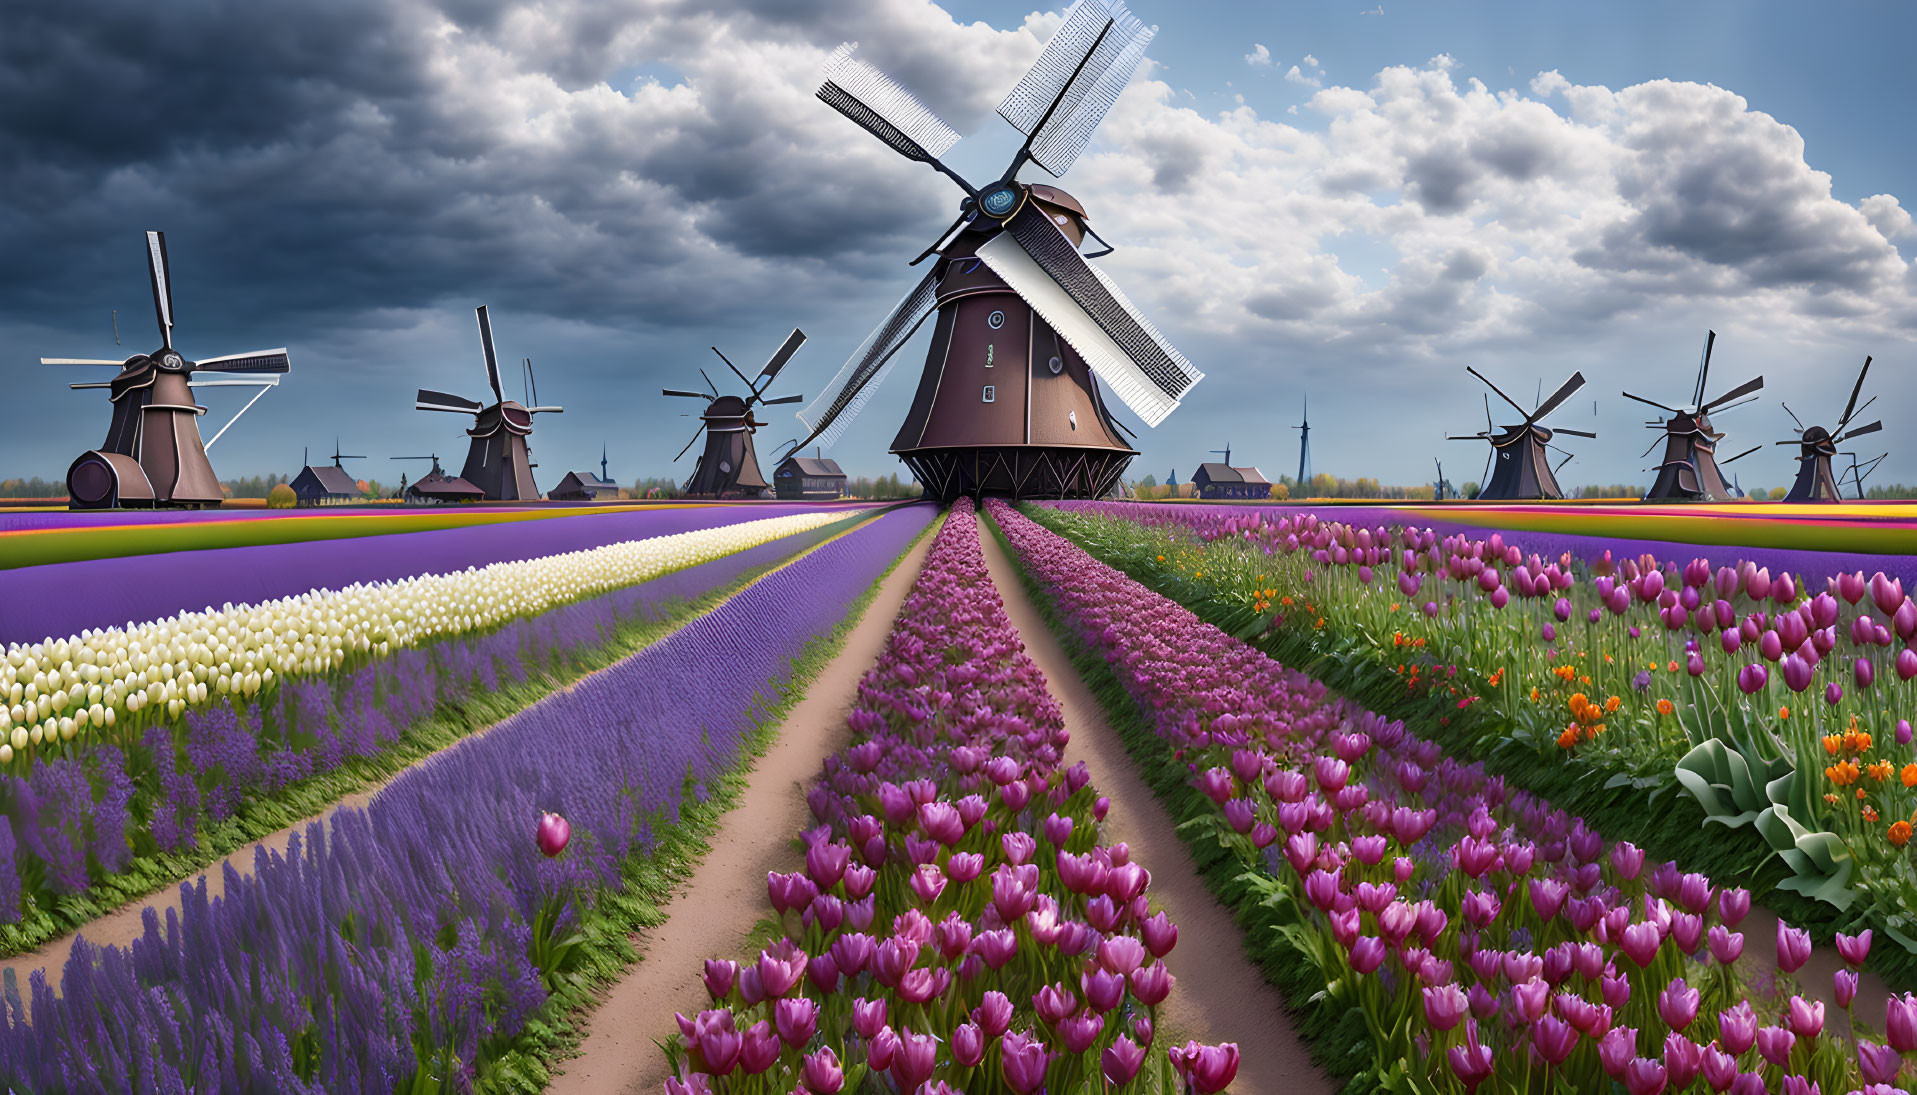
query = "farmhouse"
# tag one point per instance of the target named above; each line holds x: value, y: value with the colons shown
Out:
x: 808, y: 478
x: 1214, y: 480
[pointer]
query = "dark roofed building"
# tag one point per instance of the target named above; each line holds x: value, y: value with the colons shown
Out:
x: 1224, y: 481
x: 808, y: 478
x: 438, y: 487
x: 326, y: 486
x: 582, y: 486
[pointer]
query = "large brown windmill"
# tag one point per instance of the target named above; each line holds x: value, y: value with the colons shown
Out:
x: 1817, y: 445
x: 730, y: 464
x: 1689, y: 470
x: 153, y: 455
x: 1519, y: 465
x: 499, y: 460
x: 1009, y: 401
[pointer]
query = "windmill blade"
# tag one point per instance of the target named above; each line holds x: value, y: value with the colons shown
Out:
x: 784, y: 354
x: 1567, y: 459
x: 1856, y: 390
x: 1567, y: 391
x: 1794, y: 418
x: 868, y: 366
x: 1088, y: 309
x: 1651, y: 402
x: 1573, y: 433
x: 492, y: 360
x: 735, y: 370
x: 783, y: 399
x: 1066, y: 93
x: 258, y: 361
x: 1647, y: 451
x: 691, y: 395
x: 1738, y: 392
x: 939, y: 245
x: 429, y: 400
x: 80, y: 361
x: 878, y: 105
x: 555, y: 409
x: 1468, y: 437
x: 1862, y: 430
x: 157, y: 272
x: 1704, y: 368
x: 1740, y: 455
x: 1494, y: 388
x: 1734, y: 406
x: 710, y: 384
x: 689, y: 444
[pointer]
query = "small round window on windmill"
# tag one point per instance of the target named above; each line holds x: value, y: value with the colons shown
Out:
x: 1055, y: 365
x: 995, y: 320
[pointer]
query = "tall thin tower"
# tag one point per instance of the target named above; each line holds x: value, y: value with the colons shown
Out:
x: 602, y: 462
x: 1304, y: 442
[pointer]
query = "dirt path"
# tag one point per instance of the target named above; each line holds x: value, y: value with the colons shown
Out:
x: 1219, y: 996
x: 715, y: 912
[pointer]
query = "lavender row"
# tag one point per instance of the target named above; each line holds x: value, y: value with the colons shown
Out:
x: 78, y: 819
x: 408, y: 943
x: 65, y: 598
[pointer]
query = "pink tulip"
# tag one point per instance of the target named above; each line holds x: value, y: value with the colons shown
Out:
x: 1677, y: 1004
x: 914, y: 1060
x: 1793, y: 947
x: 1844, y: 987
x: 1208, y: 1069
x: 797, y: 1020
x: 1878, y: 1064
x: 1554, y: 1039
x: 1367, y: 953
x: 1806, y: 1018
x: 1643, y: 1076
x: 1616, y: 1050
x: 1774, y: 1045
x: 1641, y: 942
x: 1121, y: 1061
x: 552, y: 834
x: 1023, y: 1060
x: 1445, y: 1006
x: 1683, y: 1059
x: 1854, y: 948
x: 1737, y: 1028
x: 1160, y: 934
x: 821, y: 1073
x: 1733, y: 905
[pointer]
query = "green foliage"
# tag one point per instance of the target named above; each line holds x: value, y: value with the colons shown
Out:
x: 35, y: 487
x: 251, y: 486
x: 281, y: 497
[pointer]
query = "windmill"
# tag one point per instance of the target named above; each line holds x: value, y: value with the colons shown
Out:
x: 1689, y: 471
x: 1858, y: 473
x: 1304, y: 441
x: 1437, y: 486
x: 1817, y: 445
x: 499, y: 460
x: 1007, y: 402
x: 339, y: 456
x: 1524, y: 467
x: 730, y: 464
x: 153, y: 455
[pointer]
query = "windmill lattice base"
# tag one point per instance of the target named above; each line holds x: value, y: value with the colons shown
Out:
x: 1017, y: 471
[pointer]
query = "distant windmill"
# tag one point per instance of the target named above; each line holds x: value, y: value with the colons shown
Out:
x: 153, y: 455
x: 730, y: 465
x: 339, y: 456
x: 1224, y: 452
x: 1689, y: 471
x: 1523, y: 466
x: 1304, y: 441
x: 1437, y: 488
x: 1817, y: 445
x: 602, y: 462
x: 499, y: 460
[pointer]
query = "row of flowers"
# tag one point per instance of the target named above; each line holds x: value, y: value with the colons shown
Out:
x: 1781, y: 705
x: 82, y: 687
x: 410, y: 945
x: 958, y: 924
x: 85, y: 831
x: 1485, y: 938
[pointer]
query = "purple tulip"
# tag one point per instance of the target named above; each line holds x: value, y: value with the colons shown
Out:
x: 1900, y: 1022
x: 758, y: 1048
x: 1806, y: 1018
x: 1878, y: 1064
x: 821, y: 1072
x: 1677, y: 1004
x: 552, y: 834
x: 1367, y: 953
x: 1641, y: 942
x: 1643, y: 1076
x: 1121, y: 1061
x: 1554, y: 1039
x: 1471, y: 1061
x: 1682, y: 1060
x: 1906, y: 664
x: 1854, y: 948
x: 1833, y: 693
x: 1844, y: 987
x: 797, y: 1020
x: 1752, y: 678
x: 993, y: 1014
x: 1903, y: 731
x: 1726, y: 945
x: 1797, y: 672
x: 1151, y: 984
x: 1445, y: 1006
x: 1530, y: 999
x: 1774, y: 1045
x: 1793, y: 947
x: 1737, y: 1028
x: 1616, y: 1049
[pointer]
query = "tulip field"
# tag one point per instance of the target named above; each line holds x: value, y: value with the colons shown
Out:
x: 1492, y: 809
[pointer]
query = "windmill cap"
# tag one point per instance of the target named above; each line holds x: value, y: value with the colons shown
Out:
x: 1052, y: 195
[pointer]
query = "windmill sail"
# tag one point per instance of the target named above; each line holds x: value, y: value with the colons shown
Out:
x: 868, y: 366
x: 259, y: 361
x: 1066, y: 93
x: 884, y: 109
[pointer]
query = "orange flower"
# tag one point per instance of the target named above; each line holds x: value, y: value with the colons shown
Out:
x: 1534, y: 693
x: 1909, y: 775
x: 1161, y: 558
x: 1497, y: 678
x: 1607, y: 659
x: 1899, y: 833
x: 1860, y: 794
x: 1565, y: 673
x: 1783, y: 712
x: 1611, y: 705
x: 1584, y: 680
x: 1673, y: 666
x: 1831, y: 799
x: 1569, y: 738
x: 1286, y: 600
x: 1831, y: 743
x: 1843, y: 773
x: 1881, y: 770
x: 1665, y: 707
x: 1870, y: 814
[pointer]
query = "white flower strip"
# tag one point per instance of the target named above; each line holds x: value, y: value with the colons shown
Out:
x: 56, y: 689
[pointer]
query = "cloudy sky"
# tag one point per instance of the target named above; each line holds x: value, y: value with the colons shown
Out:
x: 1307, y: 198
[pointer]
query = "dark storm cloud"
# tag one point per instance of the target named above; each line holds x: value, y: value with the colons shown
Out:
x: 354, y: 155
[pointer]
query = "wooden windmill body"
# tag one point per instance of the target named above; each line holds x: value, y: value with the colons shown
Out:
x: 499, y: 456
x: 1817, y: 446
x: 1689, y: 469
x: 728, y: 467
x: 153, y: 454
x: 1011, y: 399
